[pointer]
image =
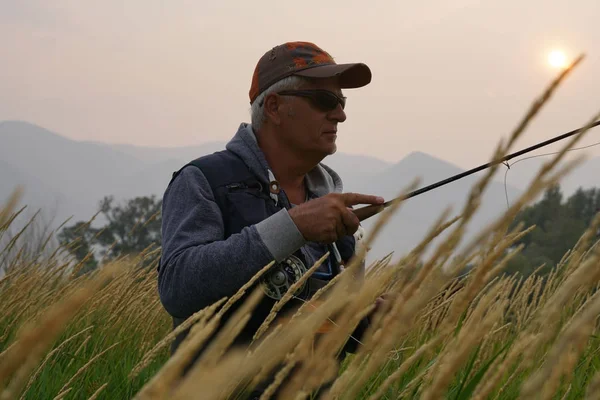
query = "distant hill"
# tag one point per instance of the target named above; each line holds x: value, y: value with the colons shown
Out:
x: 416, y: 216
x: 522, y: 172
x: 70, y: 177
x: 355, y: 169
x: 158, y: 154
x: 75, y: 175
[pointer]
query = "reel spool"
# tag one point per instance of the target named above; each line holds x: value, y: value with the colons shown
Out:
x: 277, y: 281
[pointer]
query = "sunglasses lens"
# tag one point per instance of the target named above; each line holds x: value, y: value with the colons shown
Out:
x: 328, y: 101
x: 323, y: 100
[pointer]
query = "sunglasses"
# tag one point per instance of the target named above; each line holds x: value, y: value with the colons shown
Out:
x: 322, y: 99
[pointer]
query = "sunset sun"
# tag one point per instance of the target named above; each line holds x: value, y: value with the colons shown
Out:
x: 557, y: 59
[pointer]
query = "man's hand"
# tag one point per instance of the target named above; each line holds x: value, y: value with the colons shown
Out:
x: 330, y: 217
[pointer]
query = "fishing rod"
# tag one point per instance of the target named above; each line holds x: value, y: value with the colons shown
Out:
x: 369, y: 211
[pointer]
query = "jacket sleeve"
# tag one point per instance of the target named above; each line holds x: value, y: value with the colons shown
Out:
x: 198, y: 265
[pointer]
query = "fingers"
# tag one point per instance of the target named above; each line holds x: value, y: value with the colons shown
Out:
x: 351, y: 199
x: 340, y: 227
x: 350, y: 221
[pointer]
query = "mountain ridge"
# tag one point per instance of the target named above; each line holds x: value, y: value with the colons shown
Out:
x: 77, y: 174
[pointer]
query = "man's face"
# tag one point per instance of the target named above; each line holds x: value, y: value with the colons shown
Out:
x: 307, y: 128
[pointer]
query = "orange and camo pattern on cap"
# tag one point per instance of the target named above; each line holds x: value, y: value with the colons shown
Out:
x: 284, y: 60
x: 306, y: 54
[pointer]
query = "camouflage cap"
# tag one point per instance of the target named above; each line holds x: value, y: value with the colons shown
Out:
x: 304, y: 59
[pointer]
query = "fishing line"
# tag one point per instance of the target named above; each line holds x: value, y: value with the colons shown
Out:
x: 508, y: 165
x: 329, y: 319
x: 371, y: 210
x: 395, y: 351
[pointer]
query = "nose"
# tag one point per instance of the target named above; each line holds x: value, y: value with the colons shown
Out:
x: 338, y: 114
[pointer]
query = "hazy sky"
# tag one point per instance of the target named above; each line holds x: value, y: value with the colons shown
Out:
x: 450, y: 78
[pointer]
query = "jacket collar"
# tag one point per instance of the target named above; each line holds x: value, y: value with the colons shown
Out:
x: 321, y: 180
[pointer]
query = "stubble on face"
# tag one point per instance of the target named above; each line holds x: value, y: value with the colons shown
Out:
x: 310, y: 130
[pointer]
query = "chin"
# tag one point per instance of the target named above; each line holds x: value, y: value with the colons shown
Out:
x: 324, y: 152
x: 331, y: 150
x: 330, y: 147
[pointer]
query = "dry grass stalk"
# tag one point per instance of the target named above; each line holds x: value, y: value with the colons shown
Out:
x: 231, y: 369
x: 202, y: 327
x: 85, y: 367
x: 439, y: 313
x: 438, y: 227
x: 460, y: 348
x: 318, y: 370
x: 7, y: 209
x: 493, y: 375
x: 79, y: 349
x: 380, y: 222
x: 161, y: 383
x: 399, y: 320
x: 279, y: 377
x: 582, y: 277
x: 62, y: 395
x: 355, y: 311
x: 571, y: 343
x: 265, y: 370
x: 307, y: 375
x: 229, y: 331
x: 475, y: 283
x: 539, y: 184
x: 16, y: 320
x: 200, y: 317
x: 300, y: 384
x: 240, y: 293
x: 547, y: 315
x: 396, y: 375
x: 330, y: 343
x: 530, y: 305
x: 501, y: 390
x: 313, y: 302
x: 49, y: 356
x: 97, y: 392
x: 287, y: 297
x: 34, y: 339
x: 593, y: 389
x: 158, y: 313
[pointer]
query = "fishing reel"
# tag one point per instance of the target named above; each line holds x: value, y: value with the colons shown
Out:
x: 278, y: 280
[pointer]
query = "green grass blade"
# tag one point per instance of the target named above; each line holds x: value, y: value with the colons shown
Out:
x: 467, y: 372
x: 468, y: 391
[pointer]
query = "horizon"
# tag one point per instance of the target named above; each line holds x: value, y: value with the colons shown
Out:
x: 202, y: 144
x: 390, y: 163
x: 449, y: 80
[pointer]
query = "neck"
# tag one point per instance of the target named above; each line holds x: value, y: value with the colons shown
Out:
x: 288, y: 167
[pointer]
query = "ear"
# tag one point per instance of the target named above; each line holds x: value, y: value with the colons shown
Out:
x: 272, y: 108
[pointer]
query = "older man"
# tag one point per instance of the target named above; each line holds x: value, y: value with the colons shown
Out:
x: 266, y: 196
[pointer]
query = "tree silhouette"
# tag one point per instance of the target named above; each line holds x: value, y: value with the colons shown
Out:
x: 559, y: 225
x: 129, y: 229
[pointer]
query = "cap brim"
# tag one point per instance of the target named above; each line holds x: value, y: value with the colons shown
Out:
x: 350, y: 75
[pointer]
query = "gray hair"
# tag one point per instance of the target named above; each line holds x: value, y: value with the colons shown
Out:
x: 257, y: 111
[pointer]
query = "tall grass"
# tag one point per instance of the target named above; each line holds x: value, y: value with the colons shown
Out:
x: 440, y: 333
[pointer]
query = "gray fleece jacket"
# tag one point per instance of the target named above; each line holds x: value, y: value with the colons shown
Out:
x: 198, y: 264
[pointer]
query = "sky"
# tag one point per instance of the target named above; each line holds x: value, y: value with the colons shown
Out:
x: 450, y: 78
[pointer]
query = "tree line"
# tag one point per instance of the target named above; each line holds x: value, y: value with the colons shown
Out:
x: 559, y: 223
x: 127, y: 229
x: 134, y: 226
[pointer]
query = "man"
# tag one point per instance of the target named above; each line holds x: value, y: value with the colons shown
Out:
x: 266, y: 196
